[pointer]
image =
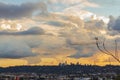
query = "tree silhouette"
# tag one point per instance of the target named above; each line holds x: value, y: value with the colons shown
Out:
x: 101, y: 46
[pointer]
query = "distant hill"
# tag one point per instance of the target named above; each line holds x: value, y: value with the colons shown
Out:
x: 66, y: 69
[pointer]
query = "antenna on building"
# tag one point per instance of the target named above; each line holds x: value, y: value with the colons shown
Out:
x: 109, y: 61
x: 94, y: 62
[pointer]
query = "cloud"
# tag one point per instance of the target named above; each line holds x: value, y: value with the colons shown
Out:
x: 84, y: 51
x: 114, y: 24
x: 84, y: 45
x: 10, y: 11
x: 73, y: 2
x: 55, y: 23
x: 72, y: 37
x: 60, y: 6
x: 13, y: 48
x: 90, y: 4
x: 96, y: 24
x: 78, y: 55
x: 78, y: 35
x: 31, y: 31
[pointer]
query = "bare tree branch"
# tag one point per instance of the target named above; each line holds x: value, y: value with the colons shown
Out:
x: 116, y: 52
x: 106, y: 51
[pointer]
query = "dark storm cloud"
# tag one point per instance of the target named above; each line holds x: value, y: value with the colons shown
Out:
x: 19, y: 11
x: 31, y: 31
x: 114, y: 24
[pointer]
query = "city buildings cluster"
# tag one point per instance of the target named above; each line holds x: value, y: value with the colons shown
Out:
x: 37, y: 76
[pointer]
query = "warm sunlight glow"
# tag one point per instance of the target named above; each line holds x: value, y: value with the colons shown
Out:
x: 103, y: 32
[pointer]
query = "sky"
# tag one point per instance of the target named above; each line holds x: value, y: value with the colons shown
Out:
x: 49, y: 32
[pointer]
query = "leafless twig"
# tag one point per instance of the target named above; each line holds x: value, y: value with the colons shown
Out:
x: 104, y: 50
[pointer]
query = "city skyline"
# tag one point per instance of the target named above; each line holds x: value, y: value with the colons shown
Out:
x: 48, y: 32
